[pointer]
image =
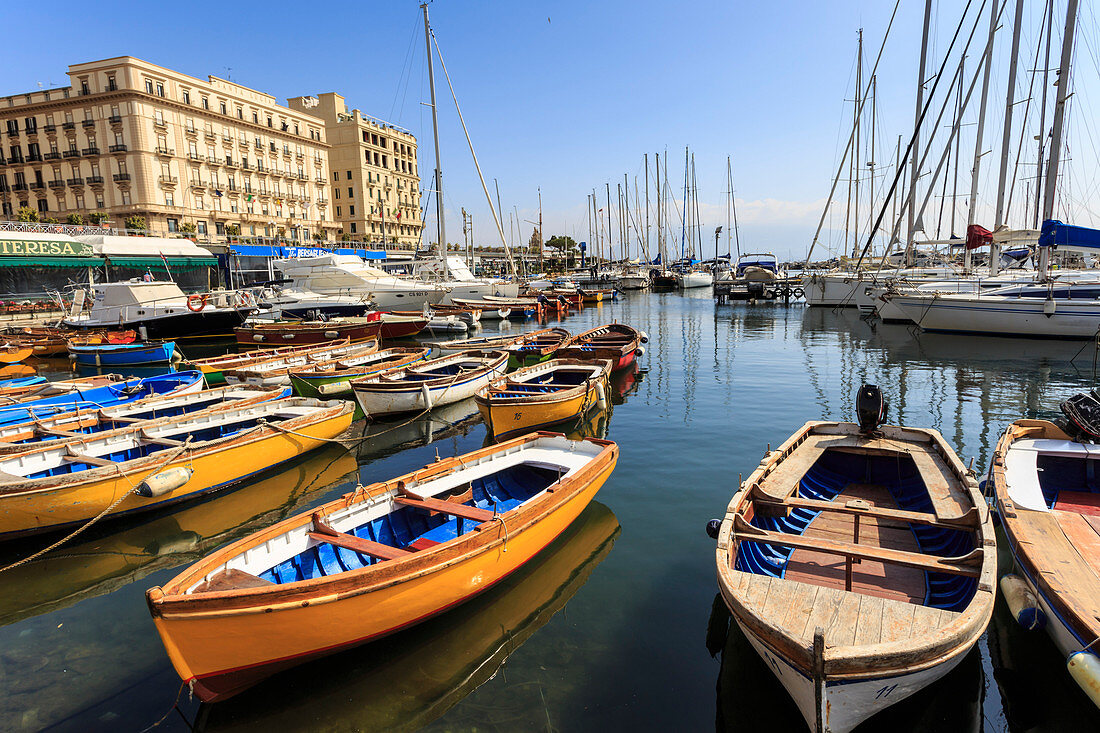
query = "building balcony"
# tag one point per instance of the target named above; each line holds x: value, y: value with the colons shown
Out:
x: 75, y: 181
x: 320, y: 180
x: 213, y: 162
x: 161, y: 124
x: 209, y: 135
x: 68, y: 126
x: 115, y: 119
x: 95, y: 180
x: 34, y: 158
x: 246, y: 167
x: 199, y: 183
x: 5, y: 188
x: 190, y: 131
x: 302, y: 177
x: 122, y: 178
x: 120, y: 148
x: 52, y: 156
x: 88, y: 123
x: 168, y: 180
x: 71, y: 154
x: 13, y: 132
x: 165, y: 151
x: 32, y: 130
x: 19, y: 187
x: 243, y: 144
x: 196, y: 157
x: 90, y: 151
x: 231, y: 163
x: 36, y: 185
x: 227, y: 139
x: 50, y: 129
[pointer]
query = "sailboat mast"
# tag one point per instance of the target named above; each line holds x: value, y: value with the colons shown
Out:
x: 915, y: 172
x: 1043, y: 115
x: 729, y: 200
x: 976, y: 169
x: 1006, y: 141
x: 660, y: 231
x: 684, y: 221
x: 541, y: 237
x: 646, y: 206
x: 441, y: 226
x: 1056, y: 131
x: 857, y: 167
x: 610, y: 245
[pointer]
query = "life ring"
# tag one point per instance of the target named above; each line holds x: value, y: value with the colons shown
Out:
x: 196, y: 303
x: 798, y: 292
x: 243, y: 299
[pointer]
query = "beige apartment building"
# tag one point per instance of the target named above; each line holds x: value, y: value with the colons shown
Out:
x: 374, y: 175
x: 130, y: 138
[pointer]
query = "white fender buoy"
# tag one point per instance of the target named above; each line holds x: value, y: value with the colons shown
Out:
x: 331, y: 334
x: 601, y: 395
x: 1049, y: 307
x: 161, y: 483
x: 1022, y: 602
x: 1084, y: 668
x: 645, y: 337
x: 640, y: 351
x: 288, y: 336
x: 427, y: 396
x: 257, y: 337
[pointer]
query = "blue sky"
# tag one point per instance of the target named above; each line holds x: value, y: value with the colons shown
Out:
x: 565, y: 96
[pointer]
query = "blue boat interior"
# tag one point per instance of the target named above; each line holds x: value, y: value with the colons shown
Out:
x: 571, y: 377
x: 501, y: 491
x: 211, y: 432
x: 105, y: 396
x: 826, y: 479
x: 443, y: 370
x: 1068, y: 477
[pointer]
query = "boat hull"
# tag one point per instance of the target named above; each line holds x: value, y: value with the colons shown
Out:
x: 846, y: 703
x: 1001, y: 316
x: 130, y: 355
x: 217, y: 653
x: 251, y: 338
x: 389, y: 400
x: 208, y: 322
x: 508, y: 419
x: 70, y: 503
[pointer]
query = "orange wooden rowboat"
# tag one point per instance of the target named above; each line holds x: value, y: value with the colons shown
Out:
x: 374, y: 561
x: 15, y: 353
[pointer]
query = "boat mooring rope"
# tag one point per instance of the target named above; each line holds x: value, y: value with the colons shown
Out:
x: 169, y: 457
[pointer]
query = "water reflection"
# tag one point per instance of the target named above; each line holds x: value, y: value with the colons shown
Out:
x: 408, y: 680
x: 750, y: 698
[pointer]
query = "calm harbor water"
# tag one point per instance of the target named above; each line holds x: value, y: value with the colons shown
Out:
x: 615, y: 625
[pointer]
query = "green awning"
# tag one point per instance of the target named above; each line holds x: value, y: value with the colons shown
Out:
x: 51, y: 262
x: 184, y: 263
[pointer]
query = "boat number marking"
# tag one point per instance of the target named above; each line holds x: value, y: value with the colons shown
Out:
x: 774, y: 664
x: 517, y: 416
x: 885, y: 692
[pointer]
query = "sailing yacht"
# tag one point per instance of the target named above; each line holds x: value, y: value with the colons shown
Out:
x: 348, y: 275
x: 461, y: 283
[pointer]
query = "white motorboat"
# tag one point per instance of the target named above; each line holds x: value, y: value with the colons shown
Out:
x: 634, y: 281
x: 158, y: 309
x: 460, y: 282
x: 349, y: 275
x: 280, y: 301
x: 694, y: 279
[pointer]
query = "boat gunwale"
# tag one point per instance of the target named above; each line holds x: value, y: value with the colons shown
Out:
x: 601, y: 371
x: 172, y: 601
x: 412, y: 354
x: 217, y: 362
x: 267, y: 368
x: 859, y: 661
x: 325, y: 410
x: 374, y: 383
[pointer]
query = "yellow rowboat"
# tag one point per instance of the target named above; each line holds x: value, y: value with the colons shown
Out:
x: 15, y: 353
x: 277, y: 371
x: 157, y: 462
x: 388, y: 687
x: 213, y: 366
x: 76, y: 425
x: 545, y: 394
x: 379, y: 559
x: 116, y: 558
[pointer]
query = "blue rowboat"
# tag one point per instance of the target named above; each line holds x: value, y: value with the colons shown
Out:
x: 21, y: 382
x: 103, y: 396
x: 112, y: 355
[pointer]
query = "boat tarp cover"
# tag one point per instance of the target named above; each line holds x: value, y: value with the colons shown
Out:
x: 1057, y: 234
x: 978, y: 236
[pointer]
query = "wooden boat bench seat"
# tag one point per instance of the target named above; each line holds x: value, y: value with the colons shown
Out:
x: 322, y: 532
x: 948, y: 502
x: 865, y: 509
x: 969, y: 564
x: 231, y: 579
x: 448, y: 507
x: 794, y: 609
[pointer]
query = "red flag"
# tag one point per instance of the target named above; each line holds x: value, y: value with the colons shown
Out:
x: 977, y: 236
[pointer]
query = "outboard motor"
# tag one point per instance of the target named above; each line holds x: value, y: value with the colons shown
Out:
x: 870, y: 408
x: 1082, y: 413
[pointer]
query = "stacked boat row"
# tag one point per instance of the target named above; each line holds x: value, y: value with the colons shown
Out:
x: 860, y: 560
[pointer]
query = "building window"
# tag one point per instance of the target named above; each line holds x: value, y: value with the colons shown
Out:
x: 158, y: 117
x: 169, y: 199
x: 186, y: 97
x: 125, y: 198
x: 349, y: 175
x: 338, y: 211
x: 296, y: 129
x: 43, y: 206
x: 256, y: 117
x: 173, y: 225
x: 269, y: 120
x: 336, y: 192
x: 351, y: 195
x: 148, y: 86
x: 206, y: 103
x: 200, y: 227
x: 160, y: 90
x: 351, y: 211
x: 353, y: 227
x: 99, y: 204
x: 111, y: 84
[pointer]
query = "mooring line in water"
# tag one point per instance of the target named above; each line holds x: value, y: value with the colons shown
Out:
x: 171, y: 456
x: 175, y: 706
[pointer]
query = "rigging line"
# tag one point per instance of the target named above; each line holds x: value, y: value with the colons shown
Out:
x: 851, y: 136
x: 920, y: 122
x: 1024, y: 122
x: 406, y: 66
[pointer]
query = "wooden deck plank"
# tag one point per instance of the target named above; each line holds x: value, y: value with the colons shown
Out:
x: 823, y: 612
x: 1082, y: 535
x: 842, y: 630
x: 897, y: 621
x: 948, y: 498
x: 869, y: 624
x: 928, y: 620
x: 803, y: 598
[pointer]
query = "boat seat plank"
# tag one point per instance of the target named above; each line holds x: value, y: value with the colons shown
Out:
x: 448, y: 507
x: 948, y: 499
x: 231, y: 579
x: 969, y: 564
x: 324, y: 533
x: 970, y: 519
x: 421, y: 543
x: 74, y: 457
